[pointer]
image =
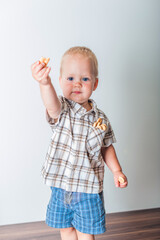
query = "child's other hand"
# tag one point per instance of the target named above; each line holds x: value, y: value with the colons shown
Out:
x: 116, y: 181
x: 41, y: 73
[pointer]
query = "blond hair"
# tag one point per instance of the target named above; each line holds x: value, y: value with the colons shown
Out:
x: 84, y: 51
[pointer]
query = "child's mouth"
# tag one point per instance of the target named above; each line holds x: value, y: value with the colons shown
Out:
x: 76, y: 92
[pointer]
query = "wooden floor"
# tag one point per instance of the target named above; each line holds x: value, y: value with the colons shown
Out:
x: 144, y: 224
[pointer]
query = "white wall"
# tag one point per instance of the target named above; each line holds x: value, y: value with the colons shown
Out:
x: 125, y: 37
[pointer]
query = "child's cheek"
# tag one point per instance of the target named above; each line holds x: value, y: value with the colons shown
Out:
x: 68, y: 88
x: 68, y: 84
x: 89, y: 87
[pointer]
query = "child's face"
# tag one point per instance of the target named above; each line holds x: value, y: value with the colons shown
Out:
x: 77, y: 80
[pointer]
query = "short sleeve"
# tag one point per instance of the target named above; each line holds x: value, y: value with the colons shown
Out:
x: 51, y: 120
x: 109, y: 136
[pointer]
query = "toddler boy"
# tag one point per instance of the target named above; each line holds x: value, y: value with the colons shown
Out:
x: 74, y: 165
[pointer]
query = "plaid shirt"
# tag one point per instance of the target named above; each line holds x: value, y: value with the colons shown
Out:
x: 74, y: 161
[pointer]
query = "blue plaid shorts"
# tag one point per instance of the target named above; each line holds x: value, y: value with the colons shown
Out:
x: 83, y: 211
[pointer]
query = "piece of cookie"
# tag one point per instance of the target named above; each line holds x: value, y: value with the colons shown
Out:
x: 97, y: 123
x: 44, y: 60
x: 121, y: 179
x: 103, y: 126
x: 94, y: 124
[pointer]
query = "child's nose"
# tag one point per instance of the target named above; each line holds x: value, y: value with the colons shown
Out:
x: 78, y: 82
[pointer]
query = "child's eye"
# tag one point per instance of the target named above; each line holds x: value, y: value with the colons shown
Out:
x: 85, y: 79
x: 70, y: 78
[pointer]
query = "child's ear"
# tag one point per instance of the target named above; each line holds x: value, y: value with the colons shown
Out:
x: 60, y: 81
x: 95, y: 84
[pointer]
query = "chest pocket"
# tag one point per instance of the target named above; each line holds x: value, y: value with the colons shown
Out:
x: 95, y: 140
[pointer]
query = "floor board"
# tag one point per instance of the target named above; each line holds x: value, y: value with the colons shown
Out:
x: 134, y: 225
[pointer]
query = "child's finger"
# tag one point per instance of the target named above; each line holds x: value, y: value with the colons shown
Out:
x: 34, y: 65
x: 41, y: 72
x: 123, y: 185
x: 37, y: 67
x: 117, y: 183
x: 48, y: 69
x: 44, y: 72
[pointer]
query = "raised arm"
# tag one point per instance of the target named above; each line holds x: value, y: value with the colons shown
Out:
x: 50, y: 100
x: 49, y: 96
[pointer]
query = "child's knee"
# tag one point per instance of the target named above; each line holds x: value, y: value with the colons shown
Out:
x: 85, y: 236
x: 67, y: 230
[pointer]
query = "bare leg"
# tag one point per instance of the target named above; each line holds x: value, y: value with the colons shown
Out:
x: 68, y: 233
x: 84, y: 236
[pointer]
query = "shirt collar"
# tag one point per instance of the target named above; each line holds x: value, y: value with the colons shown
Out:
x: 77, y: 108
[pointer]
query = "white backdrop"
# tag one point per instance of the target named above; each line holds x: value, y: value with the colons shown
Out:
x: 125, y: 37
